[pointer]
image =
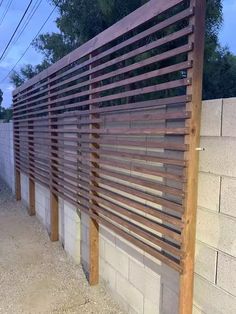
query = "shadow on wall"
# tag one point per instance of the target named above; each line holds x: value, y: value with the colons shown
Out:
x: 141, y: 283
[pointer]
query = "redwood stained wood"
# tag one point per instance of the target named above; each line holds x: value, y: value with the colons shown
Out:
x: 136, y: 92
x: 189, y: 217
x: 169, y: 101
x: 93, y: 224
x: 17, y: 184
x: 31, y: 209
x: 158, y: 27
x: 137, y: 78
x: 112, y: 128
x: 125, y: 25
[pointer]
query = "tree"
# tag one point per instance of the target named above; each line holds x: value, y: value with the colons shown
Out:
x: 5, y: 113
x: 81, y: 20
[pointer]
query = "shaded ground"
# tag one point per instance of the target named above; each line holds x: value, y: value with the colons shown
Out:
x: 36, y: 276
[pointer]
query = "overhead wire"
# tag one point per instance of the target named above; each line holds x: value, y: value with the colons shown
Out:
x: 6, y: 11
x: 42, y: 26
x: 26, y: 23
x: 9, y: 42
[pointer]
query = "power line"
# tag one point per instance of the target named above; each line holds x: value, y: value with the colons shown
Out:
x: 31, y: 14
x: 1, y: 3
x: 27, y: 21
x: 6, y: 11
x: 16, y: 29
x: 29, y: 45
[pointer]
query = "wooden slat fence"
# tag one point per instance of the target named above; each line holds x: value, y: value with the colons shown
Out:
x: 113, y: 129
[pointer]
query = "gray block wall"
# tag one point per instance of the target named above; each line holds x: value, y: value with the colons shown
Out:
x: 7, y: 155
x: 215, y: 269
x: 137, y: 281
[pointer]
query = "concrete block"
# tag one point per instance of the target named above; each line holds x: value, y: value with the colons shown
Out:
x: 211, y: 117
x: 24, y: 188
x: 108, y: 274
x: 212, y: 300
x: 196, y: 310
x: 107, y: 235
x: 117, y: 259
x: 170, y: 299
x: 208, y: 191
x: 84, y: 253
x: 150, y: 307
x: 134, y: 253
x: 72, y: 247
x: 217, y: 231
x: 205, y: 261
x: 84, y: 234
x: 72, y: 228
x: 228, y: 196
x: 219, y: 155
x: 226, y: 273
x: 70, y: 211
x: 168, y: 276
x: 149, y: 286
x: 229, y: 117
x: 128, y: 292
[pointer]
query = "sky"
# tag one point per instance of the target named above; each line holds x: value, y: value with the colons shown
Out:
x: 16, y: 11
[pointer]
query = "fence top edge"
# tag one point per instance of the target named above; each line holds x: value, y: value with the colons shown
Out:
x: 129, y: 22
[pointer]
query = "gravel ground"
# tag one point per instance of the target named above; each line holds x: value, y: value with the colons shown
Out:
x: 36, y: 276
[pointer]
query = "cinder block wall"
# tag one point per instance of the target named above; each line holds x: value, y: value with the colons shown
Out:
x: 215, y: 270
x: 138, y: 282
x: 69, y: 221
x: 143, y: 285
x: 7, y: 155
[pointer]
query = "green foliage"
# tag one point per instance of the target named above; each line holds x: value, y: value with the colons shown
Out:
x: 5, y: 113
x: 220, y: 75
x: 26, y: 72
x: 81, y: 20
x: 54, y: 46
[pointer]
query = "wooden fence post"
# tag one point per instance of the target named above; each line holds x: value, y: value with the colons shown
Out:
x: 54, y: 203
x: 31, y: 208
x: 17, y: 185
x: 93, y: 224
x: 17, y: 172
x: 195, y: 89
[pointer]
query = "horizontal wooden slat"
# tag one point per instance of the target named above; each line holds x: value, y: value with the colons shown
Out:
x: 158, y: 27
x: 105, y: 128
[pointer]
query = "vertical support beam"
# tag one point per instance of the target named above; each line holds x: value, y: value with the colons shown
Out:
x: 16, y: 134
x: 17, y: 184
x: 189, y: 233
x: 31, y: 208
x: 93, y: 224
x: 54, y: 216
x: 54, y: 203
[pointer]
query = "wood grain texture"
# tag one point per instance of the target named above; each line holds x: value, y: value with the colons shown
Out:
x: 112, y: 128
x: 193, y: 139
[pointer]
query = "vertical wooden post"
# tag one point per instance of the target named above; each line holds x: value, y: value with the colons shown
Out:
x: 93, y: 224
x: 17, y: 172
x: 31, y: 208
x: 54, y: 232
x: 54, y: 204
x: 17, y: 185
x: 189, y: 233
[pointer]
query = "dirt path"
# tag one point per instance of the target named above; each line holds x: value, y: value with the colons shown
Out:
x: 36, y: 276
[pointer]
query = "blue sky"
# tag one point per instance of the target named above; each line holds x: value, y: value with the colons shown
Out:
x: 16, y: 10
